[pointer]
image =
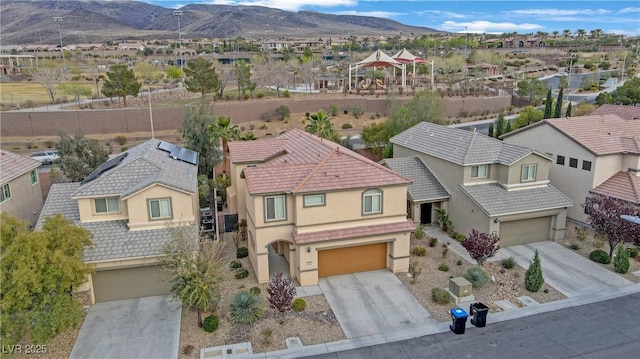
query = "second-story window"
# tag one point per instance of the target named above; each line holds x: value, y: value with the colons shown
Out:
x: 34, y: 177
x: 528, y: 173
x: 160, y: 208
x: 5, y: 192
x: 275, y: 208
x: 314, y: 200
x: 479, y: 171
x: 372, y: 201
x: 107, y: 205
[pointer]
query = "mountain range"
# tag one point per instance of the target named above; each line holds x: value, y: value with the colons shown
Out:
x: 89, y: 21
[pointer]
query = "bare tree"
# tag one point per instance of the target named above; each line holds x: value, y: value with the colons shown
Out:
x: 49, y: 74
x: 270, y: 72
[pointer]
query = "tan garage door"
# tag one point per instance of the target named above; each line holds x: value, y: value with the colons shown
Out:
x: 524, y: 231
x: 352, y: 259
x: 130, y: 283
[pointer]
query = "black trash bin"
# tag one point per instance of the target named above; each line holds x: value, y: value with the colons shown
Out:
x: 458, y: 320
x: 479, y: 314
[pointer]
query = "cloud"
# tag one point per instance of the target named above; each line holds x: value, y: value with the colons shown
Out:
x: 558, y: 12
x: 629, y: 9
x: 440, y: 14
x: 481, y: 26
x: 385, y: 14
x: 289, y: 5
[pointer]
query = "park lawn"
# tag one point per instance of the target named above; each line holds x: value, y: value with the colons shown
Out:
x: 21, y: 92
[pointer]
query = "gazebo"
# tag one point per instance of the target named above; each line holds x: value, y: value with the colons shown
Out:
x: 404, y: 57
x: 378, y: 59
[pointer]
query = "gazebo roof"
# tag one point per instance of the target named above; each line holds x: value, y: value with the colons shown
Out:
x: 379, y: 58
x: 405, y: 56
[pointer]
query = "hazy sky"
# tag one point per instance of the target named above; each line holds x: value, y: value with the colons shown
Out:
x: 524, y: 16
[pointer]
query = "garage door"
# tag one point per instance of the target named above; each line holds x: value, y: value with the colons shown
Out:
x: 130, y: 283
x: 524, y: 231
x: 352, y: 259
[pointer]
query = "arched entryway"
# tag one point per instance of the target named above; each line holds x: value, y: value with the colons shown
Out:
x: 280, y: 256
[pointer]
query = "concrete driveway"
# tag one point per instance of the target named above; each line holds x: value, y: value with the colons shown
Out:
x: 134, y: 328
x: 565, y: 270
x: 373, y: 302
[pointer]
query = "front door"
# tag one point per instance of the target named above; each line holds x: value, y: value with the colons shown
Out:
x: 425, y: 213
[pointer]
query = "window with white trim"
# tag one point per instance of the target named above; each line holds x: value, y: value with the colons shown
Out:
x: 5, y: 192
x: 372, y: 201
x: 528, y: 173
x: 275, y: 208
x: 479, y: 171
x: 311, y: 200
x: 107, y: 205
x: 160, y: 208
x: 34, y: 177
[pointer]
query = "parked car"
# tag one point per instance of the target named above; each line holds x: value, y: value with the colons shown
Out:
x: 45, y: 157
x: 561, y: 74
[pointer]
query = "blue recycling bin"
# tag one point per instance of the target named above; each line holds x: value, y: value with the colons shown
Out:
x: 458, y: 320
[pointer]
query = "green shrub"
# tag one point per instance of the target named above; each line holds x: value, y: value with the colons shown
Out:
x: 255, y: 290
x: 581, y: 233
x: 345, y: 112
x: 599, y: 240
x: 460, y: 237
x: 120, y: 139
x: 419, y: 251
x: 282, y: 112
x: 124, y: 148
x: 476, y: 276
x: 210, y: 324
x: 245, y: 308
x: 621, y: 261
x: 633, y: 252
x: 242, y: 252
x: 443, y: 267
x: 533, y: 278
x: 600, y: 256
x: 266, y: 336
x: 508, y: 263
x: 574, y: 246
x: 440, y: 296
x: 235, y: 265
x: 49, y: 143
x: 298, y: 305
x: 357, y: 111
x: 459, y: 262
x: 242, y: 273
x: 346, y: 126
x: 333, y: 110
x: 420, y: 232
x: 260, y: 95
x: 433, y: 241
x: 286, y: 94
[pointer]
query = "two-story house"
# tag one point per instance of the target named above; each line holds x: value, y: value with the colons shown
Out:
x: 492, y: 186
x: 324, y: 208
x: 127, y: 204
x: 596, y: 153
x: 20, y: 192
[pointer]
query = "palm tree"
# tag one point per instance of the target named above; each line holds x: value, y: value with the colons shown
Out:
x: 224, y: 131
x: 566, y: 33
x: 321, y: 125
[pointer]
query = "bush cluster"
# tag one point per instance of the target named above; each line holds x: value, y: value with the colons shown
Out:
x: 443, y: 267
x: 210, y: 324
x: 633, y: 252
x: 621, y: 262
x: 242, y: 273
x: 476, y: 276
x: 255, y: 290
x: 433, y: 241
x: 419, y: 251
x: 508, y: 263
x: 440, y: 296
x: 600, y: 256
x: 245, y: 308
x: 298, y: 305
x: 242, y: 252
x: 235, y: 265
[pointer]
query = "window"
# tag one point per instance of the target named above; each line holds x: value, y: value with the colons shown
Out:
x: 160, y: 208
x: 5, y: 193
x: 479, y: 171
x: 573, y: 162
x: 314, y: 200
x: 560, y: 160
x: 107, y: 205
x: 372, y: 201
x: 586, y: 165
x: 34, y: 177
x: 275, y: 208
x: 528, y: 172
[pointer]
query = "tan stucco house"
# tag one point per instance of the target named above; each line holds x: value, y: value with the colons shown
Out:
x: 596, y: 153
x: 20, y: 192
x: 482, y: 183
x: 126, y: 204
x: 324, y: 208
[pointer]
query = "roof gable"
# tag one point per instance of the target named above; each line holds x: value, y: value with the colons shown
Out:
x: 623, y: 185
x: 12, y: 165
x: 426, y: 185
x: 626, y: 112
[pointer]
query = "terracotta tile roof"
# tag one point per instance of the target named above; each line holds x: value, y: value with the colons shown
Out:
x: 299, y: 163
x: 626, y: 112
x: 353, y: 232
x: 13, y: 165
x: 623, y: 185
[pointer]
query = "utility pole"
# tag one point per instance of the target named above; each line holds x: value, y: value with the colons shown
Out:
x: 58, y: 20
x: 178, y: 13
x: 466, y: 35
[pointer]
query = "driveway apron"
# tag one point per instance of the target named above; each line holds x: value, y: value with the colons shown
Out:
x: 146, y: 327
x: 374, y: 302
x: 565, y: 270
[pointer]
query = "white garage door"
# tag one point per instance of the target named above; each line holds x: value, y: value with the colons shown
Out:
x: 524, y: 231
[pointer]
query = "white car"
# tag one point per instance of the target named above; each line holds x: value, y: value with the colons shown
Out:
x: 45, y: 157
x: 561, y: 74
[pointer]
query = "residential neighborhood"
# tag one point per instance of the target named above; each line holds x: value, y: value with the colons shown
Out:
x: 249, y: 180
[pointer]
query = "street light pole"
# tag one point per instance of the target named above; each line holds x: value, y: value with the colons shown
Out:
x: 58, y: 20
x: 178, y: 13
x: 466, y: 35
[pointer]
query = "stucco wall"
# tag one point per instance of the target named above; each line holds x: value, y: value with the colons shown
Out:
x: 26, y: 198
x: 139, y: 216
x: 86, y: 206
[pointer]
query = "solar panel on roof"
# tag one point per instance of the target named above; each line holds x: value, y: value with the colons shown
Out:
x: 105, y: 167
x: 179, y: 153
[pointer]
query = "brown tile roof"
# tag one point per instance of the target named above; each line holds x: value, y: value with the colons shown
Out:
x: 299, y: 163
x: 13, y: 165
x: 353, y: 232
x: 623, y: 185
x: 626, y: 112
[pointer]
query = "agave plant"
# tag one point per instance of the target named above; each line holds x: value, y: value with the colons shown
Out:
x: 246, y: 307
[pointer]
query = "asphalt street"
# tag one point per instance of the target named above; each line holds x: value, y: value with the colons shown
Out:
x: 607, y: 329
